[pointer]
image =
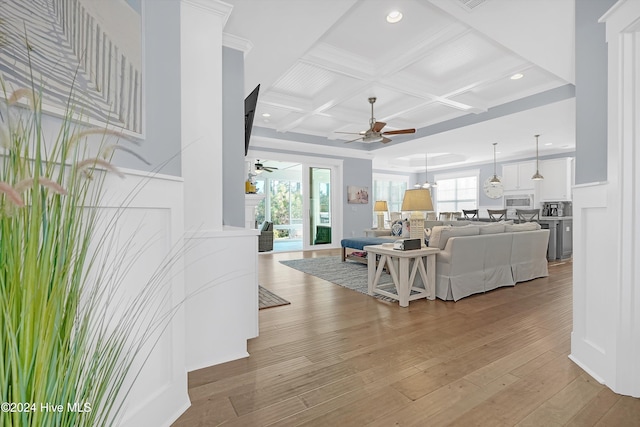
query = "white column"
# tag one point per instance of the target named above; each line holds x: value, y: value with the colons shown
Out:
x: 202, y: 22
x: 606, y: 330
x: 221, y: 307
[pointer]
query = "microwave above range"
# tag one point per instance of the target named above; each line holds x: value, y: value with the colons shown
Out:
x: 517, y: 201
x: 521, y: 201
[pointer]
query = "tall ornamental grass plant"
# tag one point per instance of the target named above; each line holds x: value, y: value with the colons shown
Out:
x: 64, y: 361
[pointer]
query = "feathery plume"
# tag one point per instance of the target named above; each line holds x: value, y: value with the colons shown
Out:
x: 23, y: 92
x: 73, y: 140
x: 5, y: 136
x: 95, y: 161
x: 11, y: 193
x: 27, y: 183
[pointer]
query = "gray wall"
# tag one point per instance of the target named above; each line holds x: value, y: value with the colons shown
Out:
x: 357, y: 217
x: 162, y: 146
x: 591, y: 91
x: 233, y: 137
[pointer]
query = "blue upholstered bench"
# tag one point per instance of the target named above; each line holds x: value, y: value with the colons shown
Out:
x: 358, y: 243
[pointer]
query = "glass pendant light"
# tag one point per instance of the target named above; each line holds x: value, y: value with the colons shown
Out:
x: 494, y: 180
x: 537, y: 176
x: 426, y: 184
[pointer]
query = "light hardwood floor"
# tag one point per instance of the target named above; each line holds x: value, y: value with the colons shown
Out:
x: 337, y: 357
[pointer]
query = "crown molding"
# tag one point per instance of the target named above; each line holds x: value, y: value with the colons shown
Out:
x: 237, y: 43
x: 216, y: 7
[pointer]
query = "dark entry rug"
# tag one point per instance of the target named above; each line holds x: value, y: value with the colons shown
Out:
x: 267, y: 299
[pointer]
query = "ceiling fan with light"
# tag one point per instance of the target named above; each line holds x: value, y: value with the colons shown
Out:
x: 374, y: 133
x: 262, y: 168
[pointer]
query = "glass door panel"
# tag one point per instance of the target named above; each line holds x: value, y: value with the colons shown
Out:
x: 319, y: 206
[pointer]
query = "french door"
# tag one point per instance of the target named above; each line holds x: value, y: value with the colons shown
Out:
x: 319, y: 200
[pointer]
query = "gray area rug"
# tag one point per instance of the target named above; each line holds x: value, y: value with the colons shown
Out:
x: 349, y: 274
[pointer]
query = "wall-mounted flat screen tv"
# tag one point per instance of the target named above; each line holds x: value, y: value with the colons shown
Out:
x: 249, y: 111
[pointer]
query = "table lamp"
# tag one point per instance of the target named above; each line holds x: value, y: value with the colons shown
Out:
x: 381, y: 208
x: 417, y: 201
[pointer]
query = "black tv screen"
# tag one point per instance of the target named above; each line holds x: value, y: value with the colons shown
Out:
x: 249, y: 111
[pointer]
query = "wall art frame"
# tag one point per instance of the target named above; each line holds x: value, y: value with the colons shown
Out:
x: 357, y: 195
x: 89, y: 49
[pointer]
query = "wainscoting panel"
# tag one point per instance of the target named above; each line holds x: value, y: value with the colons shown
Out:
x: 144, y: 257
x: 593, y: 285
x: 222, y: 295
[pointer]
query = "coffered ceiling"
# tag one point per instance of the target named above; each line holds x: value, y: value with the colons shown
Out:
x: 445, y: 69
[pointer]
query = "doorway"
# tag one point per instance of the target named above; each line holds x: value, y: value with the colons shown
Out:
x: 302, y: 199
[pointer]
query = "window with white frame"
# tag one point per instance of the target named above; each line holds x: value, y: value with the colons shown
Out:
x: 390, y: 188
x: 456, y: 192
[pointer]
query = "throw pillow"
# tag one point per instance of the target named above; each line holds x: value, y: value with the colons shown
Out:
x: 266, y: 226
x: 396, y: 228
x: 492, y: 228
x: 446, y: 233
x: 525, y: 226
x: 434, y: 239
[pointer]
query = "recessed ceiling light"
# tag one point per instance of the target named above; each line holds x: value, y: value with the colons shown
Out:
x: 394, y: 16
x: 266, y: 115
x: 548, y: 143
x: 517, y: 76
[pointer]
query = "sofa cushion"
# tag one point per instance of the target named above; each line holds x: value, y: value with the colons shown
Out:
x: 434, y: 235
x: 441, y: 234
x: 492, y: 228
x: 525, y: 226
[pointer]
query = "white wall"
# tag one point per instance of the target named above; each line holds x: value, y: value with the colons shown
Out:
x: 148, y: 230
x: 606, y: 306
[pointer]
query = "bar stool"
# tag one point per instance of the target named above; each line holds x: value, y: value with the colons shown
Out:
x: 496, y: 215
x: 471, y: 214
x: 528, y: 215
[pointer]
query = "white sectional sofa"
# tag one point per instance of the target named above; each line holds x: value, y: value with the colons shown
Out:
x: 479, y: 258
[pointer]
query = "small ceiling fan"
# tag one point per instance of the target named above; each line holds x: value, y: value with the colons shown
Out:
x: 374, y: 133
x: 262, y: 168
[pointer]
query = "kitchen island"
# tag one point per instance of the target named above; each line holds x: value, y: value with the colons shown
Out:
x: 560, y: 236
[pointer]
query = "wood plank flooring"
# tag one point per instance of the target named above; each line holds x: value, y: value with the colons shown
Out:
x: 337, y: 357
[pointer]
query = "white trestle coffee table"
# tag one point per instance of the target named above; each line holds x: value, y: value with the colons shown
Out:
x: 403, y: 266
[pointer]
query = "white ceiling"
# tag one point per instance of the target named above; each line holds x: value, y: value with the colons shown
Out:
x: 444, y: 69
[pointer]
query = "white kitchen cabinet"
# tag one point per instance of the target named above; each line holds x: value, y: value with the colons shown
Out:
x: 517, y: 176
x: 558, y: 179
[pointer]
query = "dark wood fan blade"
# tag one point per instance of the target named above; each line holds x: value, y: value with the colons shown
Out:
x: 398, y: 132
x: 377, y: 126
x: 385, y: 140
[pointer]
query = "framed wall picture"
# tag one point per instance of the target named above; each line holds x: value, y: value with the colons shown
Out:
x: 357, y: 194
x: 91, y: 49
